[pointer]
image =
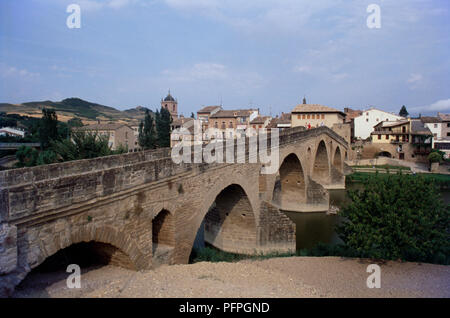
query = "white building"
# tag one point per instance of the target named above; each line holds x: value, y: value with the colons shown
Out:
x: 435, y: 126
x: 9, y: 131
x: 364, y: 124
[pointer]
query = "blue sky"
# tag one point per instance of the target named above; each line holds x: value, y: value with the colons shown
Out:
x: 259, y: 53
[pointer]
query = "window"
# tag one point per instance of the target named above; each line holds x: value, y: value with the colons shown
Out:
x: 448, y: 134
x: 367, y: 119
x: 435, y: 125
x: 173, y: 107
x: 231, y: 125
x: 216, y: 125
x: 298, y: 116
x: 387, y: 136
x: 308, y: 116
x: 448, y: 125
x: 378, y: 119
x: 323, y: 116
x: 379, y: 137
x: 303, y: 116
x: 260, y: 126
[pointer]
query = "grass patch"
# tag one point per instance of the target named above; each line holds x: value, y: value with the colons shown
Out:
x: 442, y: 180
x: 390, y: 167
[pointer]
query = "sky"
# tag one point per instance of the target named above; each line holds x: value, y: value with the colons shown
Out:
x: 265, y: 54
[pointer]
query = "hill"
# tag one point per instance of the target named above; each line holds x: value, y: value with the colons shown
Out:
x: 75, y: 107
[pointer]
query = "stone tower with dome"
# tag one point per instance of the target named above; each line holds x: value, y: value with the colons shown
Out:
x: 171, y: 104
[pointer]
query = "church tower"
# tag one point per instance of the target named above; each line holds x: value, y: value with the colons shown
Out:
x: 171, y: 104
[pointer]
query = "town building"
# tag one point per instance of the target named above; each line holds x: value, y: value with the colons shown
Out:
x: 350, y: 115
x: 204, y: 113
x: 203, y: 116
x: 13, y: 132
x: 315, y: 115
x: 445, y: 119
x: 435, y: 126
x: 171, y: 104
x: 184, y: 136
x: 281, y: 122
x: 231, y: 123
x: 407, y: 139
x: 365, y: 123
x: 118, y: 134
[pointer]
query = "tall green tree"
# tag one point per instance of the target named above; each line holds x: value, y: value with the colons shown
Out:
x: 147, y: 134
x: 48, y: 127
x: 403, y: 112
x: 163, y: 122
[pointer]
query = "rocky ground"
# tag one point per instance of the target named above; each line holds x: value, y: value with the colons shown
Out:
x: 277, y: 277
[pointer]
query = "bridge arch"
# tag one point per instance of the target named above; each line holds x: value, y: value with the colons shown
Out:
x: 337, y: 159
x: 321, y: 168
x: 163, y: 229
x: 290, y: 184
x: 106, y: 241
x: 227, y: 218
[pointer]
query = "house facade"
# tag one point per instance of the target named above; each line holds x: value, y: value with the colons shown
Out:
x: 118, y: 134
x: 365, y: 123
x: 407, y: 139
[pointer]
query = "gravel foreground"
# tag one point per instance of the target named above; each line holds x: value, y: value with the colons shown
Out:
x: 277, y: 277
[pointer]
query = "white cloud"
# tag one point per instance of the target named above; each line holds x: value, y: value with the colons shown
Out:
x: 95, y: 5
x: 414, y: 78
x: 439, y: 106
x: 7, y: 71
x: 207, y: 72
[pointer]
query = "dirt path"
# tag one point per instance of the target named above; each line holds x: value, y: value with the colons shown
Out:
x: 278, y: 277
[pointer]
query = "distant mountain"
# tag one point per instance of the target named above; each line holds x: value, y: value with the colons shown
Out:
x: 76, y: 107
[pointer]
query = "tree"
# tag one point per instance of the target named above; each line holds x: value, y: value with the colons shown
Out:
x: 147, y: 138
x: 163, y: 121
x: 434, y: 157
x: 26, y: 156
x: 82, y: 145
x: 397, y: 217
x: 403, y: 112
x: 48, y: 127
x: 74, y: 122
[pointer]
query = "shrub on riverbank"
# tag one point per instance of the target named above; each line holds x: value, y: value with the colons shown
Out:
x: 397, y: 217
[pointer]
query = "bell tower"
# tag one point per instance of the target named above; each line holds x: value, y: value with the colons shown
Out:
x: 171, y: 104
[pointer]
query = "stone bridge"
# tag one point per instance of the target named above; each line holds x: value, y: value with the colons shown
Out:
x: 140, y: 210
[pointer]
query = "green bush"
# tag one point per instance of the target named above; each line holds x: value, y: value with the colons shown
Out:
x: 397, y: 217
x: 434, y: 157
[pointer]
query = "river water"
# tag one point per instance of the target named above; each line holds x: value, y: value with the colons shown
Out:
x: 315, y: 227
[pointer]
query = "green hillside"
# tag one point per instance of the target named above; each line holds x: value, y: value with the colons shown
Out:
x: 75, y: 107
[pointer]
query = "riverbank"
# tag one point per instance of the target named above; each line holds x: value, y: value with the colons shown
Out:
x: 277, y: 277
